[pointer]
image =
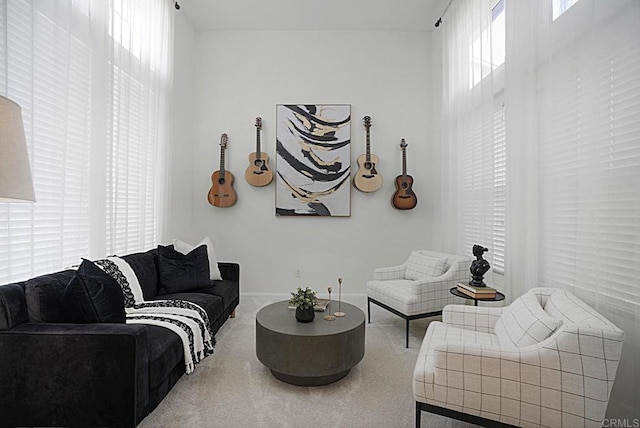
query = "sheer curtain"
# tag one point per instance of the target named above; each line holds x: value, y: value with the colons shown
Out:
x: 573, y: 132
x: 571, y: 167
x: 92, y: 78
x: 473, y: 128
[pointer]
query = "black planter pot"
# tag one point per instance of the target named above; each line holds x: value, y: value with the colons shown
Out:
x: 305, y: 315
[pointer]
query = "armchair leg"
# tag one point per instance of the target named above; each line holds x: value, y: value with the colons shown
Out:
x: 407, y: 332
x: 369, y: 310
x: 418, y: 414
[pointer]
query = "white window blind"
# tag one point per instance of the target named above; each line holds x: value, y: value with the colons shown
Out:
x: 483, y: 188
x: 45, y: 68
x: 590, y: 166
x: 93, y: 90
x: 474, y: 56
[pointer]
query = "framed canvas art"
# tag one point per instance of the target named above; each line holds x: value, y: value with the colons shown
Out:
x: 313, y: 160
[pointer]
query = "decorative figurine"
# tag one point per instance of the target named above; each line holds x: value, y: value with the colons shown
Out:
x: 478, y: 267
x: 329, y: 317
x: 339, y: 313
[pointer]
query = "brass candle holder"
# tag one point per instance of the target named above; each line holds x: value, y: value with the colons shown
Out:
x: 329, y: 317
x: 339, y: 313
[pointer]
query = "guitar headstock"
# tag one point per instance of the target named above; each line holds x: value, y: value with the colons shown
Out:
x: 367, y: 122
x: 223, y: 141
x: 403, y: 144
x: 258, y: 123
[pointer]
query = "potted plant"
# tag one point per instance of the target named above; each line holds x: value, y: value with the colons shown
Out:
x: 304, y: 301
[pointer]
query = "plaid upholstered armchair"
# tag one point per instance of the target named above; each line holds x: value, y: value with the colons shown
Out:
x: 419, y: 287
x: 546, y: 360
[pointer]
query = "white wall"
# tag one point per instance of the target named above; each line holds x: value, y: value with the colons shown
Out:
x: 179, y: 201
x: 242, y: 75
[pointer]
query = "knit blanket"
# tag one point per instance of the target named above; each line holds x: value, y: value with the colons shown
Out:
x: 188, y: 320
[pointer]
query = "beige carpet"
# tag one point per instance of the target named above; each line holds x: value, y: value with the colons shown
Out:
x: 233, y: 389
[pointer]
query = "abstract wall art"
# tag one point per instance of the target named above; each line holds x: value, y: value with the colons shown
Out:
x: 313, y: 160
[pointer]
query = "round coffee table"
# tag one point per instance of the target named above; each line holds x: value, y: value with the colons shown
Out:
x: 309, y: 354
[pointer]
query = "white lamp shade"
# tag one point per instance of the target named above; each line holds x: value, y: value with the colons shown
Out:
x: 15, y: 173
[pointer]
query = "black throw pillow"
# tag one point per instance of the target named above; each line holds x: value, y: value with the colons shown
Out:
x: 93, y: 296
x: 179, y: 272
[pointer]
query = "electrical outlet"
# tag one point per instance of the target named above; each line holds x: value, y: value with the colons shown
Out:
x: 298, y: 273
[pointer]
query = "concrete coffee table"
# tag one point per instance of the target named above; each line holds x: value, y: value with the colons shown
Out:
x: 309, y: 354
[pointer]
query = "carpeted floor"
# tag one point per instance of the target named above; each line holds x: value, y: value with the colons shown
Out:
x: 233, y: 389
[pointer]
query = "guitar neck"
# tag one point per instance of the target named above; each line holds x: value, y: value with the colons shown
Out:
x: 404, y: 162
x: 368, y: 151
x: 258, y: 150
x: 222, y: 161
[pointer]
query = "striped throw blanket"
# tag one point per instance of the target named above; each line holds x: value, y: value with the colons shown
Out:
x: 186, y: 319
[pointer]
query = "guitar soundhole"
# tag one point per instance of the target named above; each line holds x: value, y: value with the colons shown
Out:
x: 368, y: 165
x: 405, y: 185
x: 221, y: 181
x: 258, y: 163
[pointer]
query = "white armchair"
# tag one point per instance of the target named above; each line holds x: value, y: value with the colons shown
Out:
x: 419, y: 287
x: 546, y: 360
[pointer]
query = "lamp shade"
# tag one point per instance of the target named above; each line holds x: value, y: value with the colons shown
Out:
x: 15, y: 173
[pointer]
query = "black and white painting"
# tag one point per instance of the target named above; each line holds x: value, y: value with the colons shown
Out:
x: 313, y: 160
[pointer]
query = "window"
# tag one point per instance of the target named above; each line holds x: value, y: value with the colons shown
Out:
x: 590, y: 166
x: 93, y: 94
x: 487, y: 51
x: 483, y: 192
x: 561, y: 6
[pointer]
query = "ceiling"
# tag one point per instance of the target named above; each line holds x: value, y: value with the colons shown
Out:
x: 298, y: 15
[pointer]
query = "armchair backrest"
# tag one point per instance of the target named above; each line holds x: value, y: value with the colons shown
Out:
x: 588, y: 334
x: 455, y: 265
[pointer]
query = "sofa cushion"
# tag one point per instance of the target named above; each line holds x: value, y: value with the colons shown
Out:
x: 185, y: 248
x: 145, y: 266
x: 423, y: 266
x: 165, y: 352
x: 211, y: 304
x: 182, y: 272
x: 524, y: 322
x: 43, y: 295
x: 93, y: 296
x: 13, y: 306
x: 227, y: 290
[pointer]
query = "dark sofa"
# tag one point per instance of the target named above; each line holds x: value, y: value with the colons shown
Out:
x: 59, y: 374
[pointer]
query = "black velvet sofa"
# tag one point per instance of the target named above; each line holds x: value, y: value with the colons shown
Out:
x: 93, y: 375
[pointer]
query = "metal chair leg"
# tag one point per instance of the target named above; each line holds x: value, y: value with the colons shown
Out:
x: 407, y: 332
x: 418, y: 414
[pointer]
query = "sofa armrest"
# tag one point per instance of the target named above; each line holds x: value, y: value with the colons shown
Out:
x: 476, y: 318
x: 73, y: 374
x: 389, y: 273
x: 230, y: 271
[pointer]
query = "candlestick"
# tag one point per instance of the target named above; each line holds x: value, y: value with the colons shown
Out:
x: 329, y: 317
x: 339, y: 313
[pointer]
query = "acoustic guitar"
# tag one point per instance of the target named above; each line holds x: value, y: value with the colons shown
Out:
x: 258, y: 173
x: 222, y: 193
x: 404, y: 198
x: 367, y: 179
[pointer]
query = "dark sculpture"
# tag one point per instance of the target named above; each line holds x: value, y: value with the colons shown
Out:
x: 478, y: 267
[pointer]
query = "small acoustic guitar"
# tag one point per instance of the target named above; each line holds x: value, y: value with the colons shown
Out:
x: 404, y: 198
x: 222, y: 193
x: 258, y: 173
x: 367, y: 179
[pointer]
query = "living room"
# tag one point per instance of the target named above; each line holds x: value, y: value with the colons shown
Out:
x: 228, y: 64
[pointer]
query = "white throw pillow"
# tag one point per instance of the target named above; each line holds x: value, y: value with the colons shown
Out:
x: 185, y: 248
x: 422, y: 266
x: 524, y: 322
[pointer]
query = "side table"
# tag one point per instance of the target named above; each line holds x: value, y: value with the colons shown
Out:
x: 499, y: 296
